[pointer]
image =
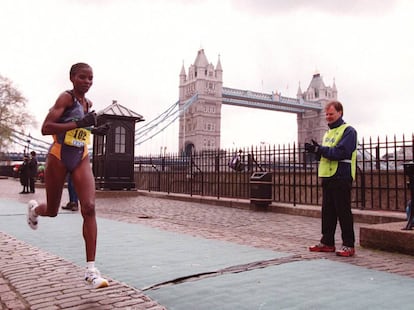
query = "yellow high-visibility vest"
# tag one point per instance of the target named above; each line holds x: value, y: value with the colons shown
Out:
x: 327, y: 167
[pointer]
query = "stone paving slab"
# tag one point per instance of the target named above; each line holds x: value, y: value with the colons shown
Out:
x: 389, y: 237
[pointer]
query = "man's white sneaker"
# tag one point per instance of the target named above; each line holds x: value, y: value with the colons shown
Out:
x: 94, y: 279
x: 31, y: 216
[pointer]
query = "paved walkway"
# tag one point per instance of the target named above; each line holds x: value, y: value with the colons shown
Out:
x: 169, y: 254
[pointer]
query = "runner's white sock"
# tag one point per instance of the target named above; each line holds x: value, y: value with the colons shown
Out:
x: 90, y: 265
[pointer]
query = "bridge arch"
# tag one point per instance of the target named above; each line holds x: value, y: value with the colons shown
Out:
x: 189, y: 148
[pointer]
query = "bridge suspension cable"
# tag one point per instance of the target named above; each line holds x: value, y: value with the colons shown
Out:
x: 24, y: 140
x: 160, y: 118
x: 162, y: 121
x: 142, y: 134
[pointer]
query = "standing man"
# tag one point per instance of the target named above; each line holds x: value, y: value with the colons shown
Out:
x: 337, y: 170
x: 32, y: 171
x: 24, y: 175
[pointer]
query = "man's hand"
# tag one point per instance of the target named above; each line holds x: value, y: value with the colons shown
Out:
x: 309, y: 148
x: 87, y: 121
x: 101, y: 130
x: 312, y: 148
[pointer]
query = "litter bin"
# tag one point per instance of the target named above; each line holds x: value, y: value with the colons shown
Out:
x: 261, y: 189
x: 409, y: 171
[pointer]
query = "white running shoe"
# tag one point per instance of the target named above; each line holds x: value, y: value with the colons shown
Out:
x: 94, y: 279
x: 31, y: 216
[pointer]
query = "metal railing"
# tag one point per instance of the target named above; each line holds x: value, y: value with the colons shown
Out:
x: 380, y: 182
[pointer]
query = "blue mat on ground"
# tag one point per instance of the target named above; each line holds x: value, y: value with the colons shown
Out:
x: 142, y: 256
x: 132, y: 253
x: 316, y: 284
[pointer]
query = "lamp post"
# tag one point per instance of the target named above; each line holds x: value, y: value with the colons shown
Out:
x: 28, y: 144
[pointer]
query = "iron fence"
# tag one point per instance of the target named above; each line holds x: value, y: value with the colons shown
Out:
x: 380, y: 182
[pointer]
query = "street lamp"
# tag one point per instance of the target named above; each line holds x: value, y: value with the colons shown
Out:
x: 28, y: 144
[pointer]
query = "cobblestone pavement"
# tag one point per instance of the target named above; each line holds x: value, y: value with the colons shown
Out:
x: 21, y: 288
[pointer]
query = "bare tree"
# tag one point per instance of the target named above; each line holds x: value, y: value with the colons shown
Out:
x: 13, y: 113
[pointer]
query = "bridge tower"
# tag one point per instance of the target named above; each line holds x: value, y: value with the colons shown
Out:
x: 199, y: 125
x: 312, y: 124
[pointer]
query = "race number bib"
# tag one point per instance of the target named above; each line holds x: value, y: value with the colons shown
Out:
x: 78, y: 137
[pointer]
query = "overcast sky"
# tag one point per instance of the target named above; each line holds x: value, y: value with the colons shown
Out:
x: 137, y: 48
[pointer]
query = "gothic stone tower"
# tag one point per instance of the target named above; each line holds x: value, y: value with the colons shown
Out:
x: 311, y: 124
x: 199, y: 125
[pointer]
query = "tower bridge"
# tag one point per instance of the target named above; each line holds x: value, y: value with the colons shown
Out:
x: 273, y: 102
x: 200, y: 124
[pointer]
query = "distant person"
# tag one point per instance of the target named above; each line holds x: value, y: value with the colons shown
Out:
x: 73, y: 204
x: 32, y: 171
x: 408, y: 211
x: 41, y: 173
x: 236, y: 163
x: 69, y: 121
x: 24, y: 175
x: 337, y: 170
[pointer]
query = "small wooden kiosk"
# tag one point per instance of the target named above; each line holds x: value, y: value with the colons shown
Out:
x: 113, y: 154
